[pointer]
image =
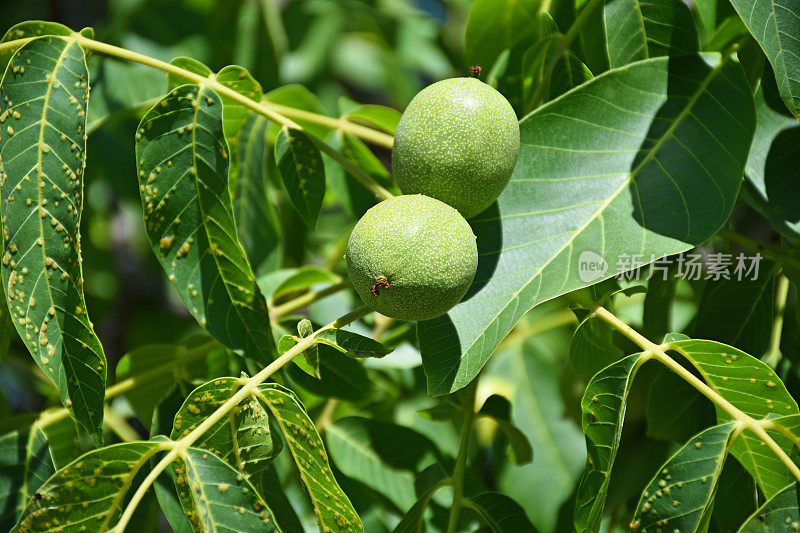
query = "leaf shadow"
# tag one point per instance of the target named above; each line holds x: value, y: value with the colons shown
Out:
x: 488, y: 229
x: 782, y: 176
x: 685, y: 173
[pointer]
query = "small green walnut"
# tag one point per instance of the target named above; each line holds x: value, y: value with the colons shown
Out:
x: 412, y: 257
x: 458, y: 142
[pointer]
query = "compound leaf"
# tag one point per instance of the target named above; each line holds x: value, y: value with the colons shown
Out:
x: 42, y: 156
x: 183, y: 181
x: 752, y: 387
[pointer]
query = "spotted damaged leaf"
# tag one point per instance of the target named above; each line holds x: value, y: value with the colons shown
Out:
x: 183, y: 164
x: 302, y: 173
x: 332, y: 507
x: 88, y: 492
x: 44, y: 96
x: 245, y: 438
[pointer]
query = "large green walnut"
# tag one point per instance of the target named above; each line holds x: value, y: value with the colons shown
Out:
x: 458, y: 142
x: 412, y: 257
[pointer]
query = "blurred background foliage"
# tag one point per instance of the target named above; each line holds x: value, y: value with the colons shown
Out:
x: 329, y: 56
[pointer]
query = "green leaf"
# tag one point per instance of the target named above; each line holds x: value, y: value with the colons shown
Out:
x: 675, y: 410
x: 25, y: 464
x: 158, y: 368
x: 775, y: 24
x: 638, y: 30
x: 656, y: 316
x: 63, y: 440
x: 170, y: 505
x: 772, y: 166
x: 235, y: 114
x: 495, y: 25
x: 752, y: 387
x: 352, y: 344
x: 355, y: 198
x: 42, y: 157
x: 269, y: 487
x: 664, y: 151
x: 428, y: 482
x: 568, y: 71
x: 89, y: 492
x: 288, y: 280
x: 532, y: 375
x: 225, y: 500
x: 186, y: 63
x: 302, y: 173
x: 682, y: 491
x: 333, y: 508
x: 738, y: 312
x: 339, y: 376
x: 257, y: 222
x: 735, y: 499
x: 501, y: 513
x: 382, y: 455
x: 498, y: 409
x: 779, y: 513
x: 244, y: 438
x: 183, y: 181
x: 378, y: 116
x: 7, y: 330
x: 298, y: 97
x: 592, y: 347
x: 27, y: 29
x: 603, y: 408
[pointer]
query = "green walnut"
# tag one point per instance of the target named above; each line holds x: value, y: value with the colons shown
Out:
x: 412, y: 257
x: 458, y: 142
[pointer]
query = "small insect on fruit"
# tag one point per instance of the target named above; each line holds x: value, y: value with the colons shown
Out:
x: 458, y: 142
x: 412, y: 257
